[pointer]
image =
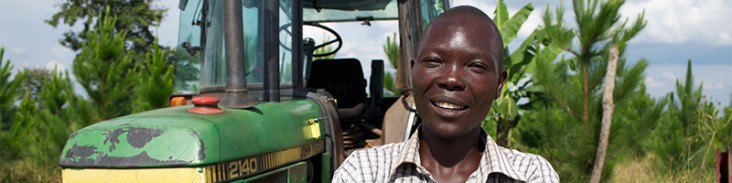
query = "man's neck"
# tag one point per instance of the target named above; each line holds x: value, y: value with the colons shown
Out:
x: 450, y: 160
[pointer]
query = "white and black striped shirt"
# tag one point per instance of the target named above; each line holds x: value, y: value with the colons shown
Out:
x: 400, y: 163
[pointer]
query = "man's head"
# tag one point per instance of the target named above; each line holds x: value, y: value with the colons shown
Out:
x: 458, y: 71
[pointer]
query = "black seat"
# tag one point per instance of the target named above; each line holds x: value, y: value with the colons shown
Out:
x: 342, y: 78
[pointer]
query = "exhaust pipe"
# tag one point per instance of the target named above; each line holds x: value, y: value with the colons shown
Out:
x: 236, y: 94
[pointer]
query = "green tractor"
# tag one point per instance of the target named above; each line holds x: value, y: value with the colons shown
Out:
x: 263, y: 109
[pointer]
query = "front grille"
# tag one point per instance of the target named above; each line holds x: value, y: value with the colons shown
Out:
x: 274, y: 178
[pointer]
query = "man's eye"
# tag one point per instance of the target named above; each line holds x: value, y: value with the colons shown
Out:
x: 478, y: 66
x: 432, y: 61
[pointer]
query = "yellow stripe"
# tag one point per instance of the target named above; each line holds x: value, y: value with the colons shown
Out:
x: 127, y: 175
x: 246, y: 167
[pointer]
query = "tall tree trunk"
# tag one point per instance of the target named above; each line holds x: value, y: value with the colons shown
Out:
x: 607, y: 115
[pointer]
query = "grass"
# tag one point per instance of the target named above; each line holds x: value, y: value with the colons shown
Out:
x: 642, y: 170
x: 29, y: 170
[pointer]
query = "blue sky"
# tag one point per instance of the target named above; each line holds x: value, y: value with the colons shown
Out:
x: 677, y: 31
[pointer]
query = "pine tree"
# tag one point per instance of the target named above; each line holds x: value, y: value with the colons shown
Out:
x: 8, y: 91
x: 41, y: 125
x: 134, y: 18
x: 563, y: 126
x: 391, y: 49
x: 692, y: 130
x: 156, y: 82
x: 105, y: 70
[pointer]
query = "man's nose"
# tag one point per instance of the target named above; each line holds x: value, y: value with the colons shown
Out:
x: 451, y: 79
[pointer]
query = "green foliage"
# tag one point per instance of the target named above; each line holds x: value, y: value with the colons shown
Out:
x: 8, y: 91
x: 32, y: 83
x: 391, y: 49
x: 156, y: 82
x: 134, y: 18
x: 505, y: 111
x: 39, y: 130
x: 564, y: 121
x: 105, y: 70
x: 692, y: 130
x: 49, y: 110
x: 186, y: 71
x: 12, y: 139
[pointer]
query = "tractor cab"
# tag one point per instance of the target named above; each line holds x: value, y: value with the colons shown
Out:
x: 258, y: 99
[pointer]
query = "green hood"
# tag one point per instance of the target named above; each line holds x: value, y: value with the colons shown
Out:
x: 174, y: 137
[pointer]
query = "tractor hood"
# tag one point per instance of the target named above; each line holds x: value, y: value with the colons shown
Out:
x: 174, y: 137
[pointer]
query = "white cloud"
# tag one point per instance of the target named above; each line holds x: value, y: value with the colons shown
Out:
x: 713, y: 86
x: 18, y: 50
x: 669, y: 74
x: 60, y: 51
x: 54, y: 64
x: 60, y: 57
x: 651, y: 83
x: 682, y: 21
x: 661, y: 79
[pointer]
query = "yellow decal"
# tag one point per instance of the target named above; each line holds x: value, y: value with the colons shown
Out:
x: 238, y: 169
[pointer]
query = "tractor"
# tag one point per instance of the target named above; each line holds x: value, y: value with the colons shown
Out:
x: 264, y: 107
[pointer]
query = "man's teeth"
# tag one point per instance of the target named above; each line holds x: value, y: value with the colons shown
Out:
x: 446, y: 105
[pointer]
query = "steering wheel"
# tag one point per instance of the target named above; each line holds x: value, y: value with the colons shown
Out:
x: 331, y: 31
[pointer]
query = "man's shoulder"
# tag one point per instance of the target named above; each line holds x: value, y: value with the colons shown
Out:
x: 533, y: 166
x: 387, y: 151
x: 516, y: 154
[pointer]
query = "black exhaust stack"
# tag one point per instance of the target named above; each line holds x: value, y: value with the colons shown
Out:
x: 270, y: 16
x: 237, y: 95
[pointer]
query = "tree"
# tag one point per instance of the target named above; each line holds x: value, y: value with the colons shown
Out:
x: 690, y: 130
x: 134, y: 19
x: 156, y: 82
x: 33, y: 141
x: 50, y: 110
x: 504, y: 112
x: 608, y: 106
x: 564, y: 125
x: 33, y: 82
x: 391, y: 49
x: 8, y: 91
x: 187, y: 69
x: 105, y: 70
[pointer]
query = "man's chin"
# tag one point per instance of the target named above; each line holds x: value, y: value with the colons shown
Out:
x: 450, y: 131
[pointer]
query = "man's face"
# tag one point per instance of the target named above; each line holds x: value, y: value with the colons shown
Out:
x: 455, y: 75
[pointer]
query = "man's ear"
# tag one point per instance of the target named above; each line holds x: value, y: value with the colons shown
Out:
x: 501, y: 81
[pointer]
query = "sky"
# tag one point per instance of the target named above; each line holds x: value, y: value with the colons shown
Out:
x: 677, y: 31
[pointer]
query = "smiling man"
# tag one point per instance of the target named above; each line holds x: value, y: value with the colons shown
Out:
x: 457, y: 74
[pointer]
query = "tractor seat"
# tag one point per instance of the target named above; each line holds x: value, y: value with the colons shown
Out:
x: 342, y: 78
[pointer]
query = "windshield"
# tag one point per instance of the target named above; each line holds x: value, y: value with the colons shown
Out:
x: 201, y: 65
x: 213, y: 64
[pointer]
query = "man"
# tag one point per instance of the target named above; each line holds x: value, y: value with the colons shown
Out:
x: 457, y: 74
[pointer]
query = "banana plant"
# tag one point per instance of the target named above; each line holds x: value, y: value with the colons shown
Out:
x: 505, y: 110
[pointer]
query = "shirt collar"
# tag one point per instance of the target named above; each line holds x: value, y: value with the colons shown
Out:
x: 494, y: 160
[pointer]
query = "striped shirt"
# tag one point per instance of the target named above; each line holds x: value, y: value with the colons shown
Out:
x: 400, y: 162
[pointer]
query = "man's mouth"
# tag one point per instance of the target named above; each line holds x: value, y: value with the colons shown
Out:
x: 450, y: 106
